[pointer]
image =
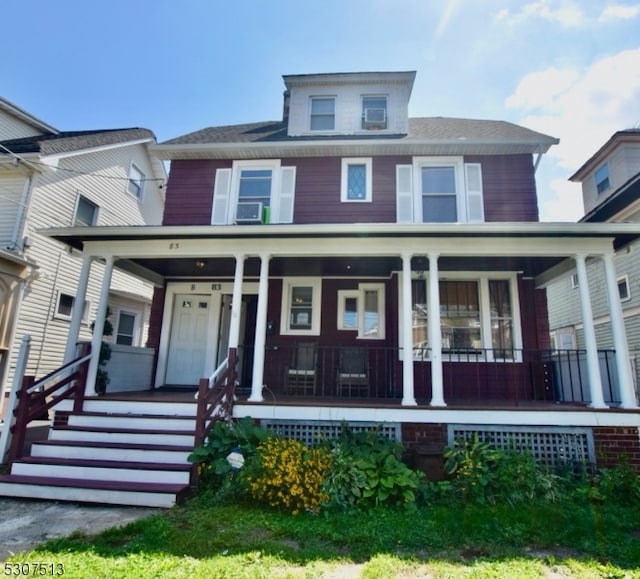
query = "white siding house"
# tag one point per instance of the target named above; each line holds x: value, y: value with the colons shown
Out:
x: 53, y: 178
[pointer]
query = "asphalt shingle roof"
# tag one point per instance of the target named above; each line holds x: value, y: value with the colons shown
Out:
x: 69, y: 141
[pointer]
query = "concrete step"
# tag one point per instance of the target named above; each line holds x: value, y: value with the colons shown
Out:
x: 109, y: 434
x: 104, y: 470
x: 120, y: 452
x: 108, y: 492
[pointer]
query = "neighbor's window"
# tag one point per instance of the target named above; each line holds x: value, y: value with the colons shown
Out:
x: 64, y: 307
x: 323, y: 114
x: 356, y: 180
x: 126, y: 329
x: 602, y: 178
x: 623, y: 288
x: 301, y: 306
x: 135, y: 184
x: 86, y: 212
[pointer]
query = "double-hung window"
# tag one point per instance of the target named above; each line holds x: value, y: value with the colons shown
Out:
x: 478, y: 318
x: 323, y: 114
x: 374, y: 112
x: 125, y: 333
x: 86, y: 212
x: 135, y: 184
x: 301, y: 306
x: 356, y: 180
x: 362, y: 310
x: 254, y: 192
x: 439, y: 190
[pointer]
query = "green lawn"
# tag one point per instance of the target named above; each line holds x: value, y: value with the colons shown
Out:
x: 202, y: 539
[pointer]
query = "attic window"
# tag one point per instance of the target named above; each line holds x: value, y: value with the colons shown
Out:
x: 323, y: 114
x: 374, y: 112
x: 135, y: 185
x: 602, y: 178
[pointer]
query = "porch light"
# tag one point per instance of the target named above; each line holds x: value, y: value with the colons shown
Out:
x: 200, y: 263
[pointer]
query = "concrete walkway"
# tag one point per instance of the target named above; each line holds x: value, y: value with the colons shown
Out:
x: 24, y: 523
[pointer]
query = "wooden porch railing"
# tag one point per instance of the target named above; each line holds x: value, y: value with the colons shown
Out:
x: 36, y: 398
x: 215, y: 397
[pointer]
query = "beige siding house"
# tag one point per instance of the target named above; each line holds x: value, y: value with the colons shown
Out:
x: 57, y: 178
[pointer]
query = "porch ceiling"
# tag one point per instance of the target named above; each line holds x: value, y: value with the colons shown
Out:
x: 354, y: 266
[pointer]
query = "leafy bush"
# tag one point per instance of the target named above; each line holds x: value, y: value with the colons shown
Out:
x: 620, y: 484
x: 482, y: 474
x: 288, y: 475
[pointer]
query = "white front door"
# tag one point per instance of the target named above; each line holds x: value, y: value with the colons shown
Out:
x: 188, y: 343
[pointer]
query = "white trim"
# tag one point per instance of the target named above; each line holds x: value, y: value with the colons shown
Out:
x: 430, y: 415
x: 139, y: 194
x: 272, y: 165
x: 57, y: 156
x: 380, y: 289
x: 625, y: 279
x: 344, y: 181
x: 96, y: 212
x: 457, y: 163
x: 343, y: 295
x: 135, y: 334
x: 85, y: 311
x: 332, y: 97
x: 288, y: 283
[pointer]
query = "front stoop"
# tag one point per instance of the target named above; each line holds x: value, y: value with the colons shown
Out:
x: 135, y: 455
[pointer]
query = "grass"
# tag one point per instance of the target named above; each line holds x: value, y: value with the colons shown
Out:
x: 201, y: 539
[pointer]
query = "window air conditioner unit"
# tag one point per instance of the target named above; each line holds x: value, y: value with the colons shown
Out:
x: 375, y: 118
x: 249, y: 213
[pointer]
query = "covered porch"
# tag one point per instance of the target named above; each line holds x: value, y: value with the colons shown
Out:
x: 439, y: 372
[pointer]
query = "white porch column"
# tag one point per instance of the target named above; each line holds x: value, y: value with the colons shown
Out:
x: 408, y: 394
x: 236, y: 303
x: 435, y: 333
x: 261, y: 331
x: 78, y: 309
x: 625, y: 380
x: 593, y: 365
x: 98, y: 328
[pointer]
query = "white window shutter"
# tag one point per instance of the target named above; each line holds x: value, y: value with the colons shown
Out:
x: 404, y: 193
x: 287, y: 195
x: 473, y: 182
x: 221, y: 191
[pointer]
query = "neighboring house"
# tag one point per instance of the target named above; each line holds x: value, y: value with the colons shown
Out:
x: 369, y: 268
x: 610, y: 182
x: 52, y: 178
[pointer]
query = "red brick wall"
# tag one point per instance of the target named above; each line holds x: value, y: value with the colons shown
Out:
x: 613, y: 444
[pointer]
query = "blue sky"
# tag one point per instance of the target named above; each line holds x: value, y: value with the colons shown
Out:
x: 567, y: 68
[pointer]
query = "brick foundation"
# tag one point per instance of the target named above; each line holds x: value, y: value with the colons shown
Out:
x: 615, y: 444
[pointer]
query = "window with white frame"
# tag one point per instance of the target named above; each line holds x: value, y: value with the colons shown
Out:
x: 301, y: 306
x: 478, y: 318
x: 323, y: 114
x: 564, y: 338
x: 64, y: 307
x: 135, y: 184
x: 601, y: 177
x: 439, y: 190
x: 126, y: 329
x: 254, y: 192
x: 623, y: 288
x: 574, y: 280
x: 86, y: 212
x: 356, y: 180
x: 362, y: 310
x: 374, y: 112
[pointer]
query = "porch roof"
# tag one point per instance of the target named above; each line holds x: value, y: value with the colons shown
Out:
x: 362, y: 249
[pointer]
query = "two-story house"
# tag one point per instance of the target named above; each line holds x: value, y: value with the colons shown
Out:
x: 58, y: 178
x: 610, y: 182
x: 356, y: 265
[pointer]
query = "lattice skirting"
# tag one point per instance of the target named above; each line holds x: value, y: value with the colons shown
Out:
x: 550, y: 445
x: 311, y: 433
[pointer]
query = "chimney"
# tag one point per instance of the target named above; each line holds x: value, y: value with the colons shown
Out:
x: 285, y: 107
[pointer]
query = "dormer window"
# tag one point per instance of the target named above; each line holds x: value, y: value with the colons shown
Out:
x: 374, y: 112
x: 602, y: 178
x: 323, y: 114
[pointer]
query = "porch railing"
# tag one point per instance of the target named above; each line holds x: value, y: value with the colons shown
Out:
x: 36, y: 398
x: 470, y: 376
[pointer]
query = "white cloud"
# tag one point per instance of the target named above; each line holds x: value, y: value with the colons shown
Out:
x: 566, y: 13
x: 451, y: 7
x: 561, y: 202
x: 619, y: 12
x: 583, y: 108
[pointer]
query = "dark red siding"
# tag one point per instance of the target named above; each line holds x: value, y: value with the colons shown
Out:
x: 190, y: 192
x: 318, y: 191
x: 509, y: 187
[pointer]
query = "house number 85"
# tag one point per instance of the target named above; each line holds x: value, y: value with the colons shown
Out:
x: 174, y: 246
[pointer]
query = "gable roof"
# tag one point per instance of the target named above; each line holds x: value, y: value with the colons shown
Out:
x: 442, y: 134
x: 71, y: 141
x: 23, y: 115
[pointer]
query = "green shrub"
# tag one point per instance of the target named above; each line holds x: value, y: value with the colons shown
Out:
x: 619, y: 484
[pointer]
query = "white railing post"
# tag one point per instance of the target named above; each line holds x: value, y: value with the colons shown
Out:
x: 9, y: 417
